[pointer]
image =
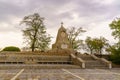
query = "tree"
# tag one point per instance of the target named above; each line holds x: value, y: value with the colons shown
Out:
x: 96, y: 45
x: 73, y: 35
x: 115, y: 26
x: 35, y: 32
x: 90, y: 44
x: 115, y: 49
x: 115, y: 53
x: 100, y: 44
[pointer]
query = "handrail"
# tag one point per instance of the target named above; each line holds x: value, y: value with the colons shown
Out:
x: 82, y: 61
x: 73, y: 56
x: 95, y: 57
x: 107, y: 62
x: 103, y: 59
x: 79, y: 60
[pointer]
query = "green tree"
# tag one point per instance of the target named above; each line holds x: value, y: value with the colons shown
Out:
x: 89, y: 44
x: 100, y: 44
x: 115, y: 53
x: 115, y: 49
x: 115, y: 26
x: 96, y: 45
x: 73, y: 36
x: 35, y: 32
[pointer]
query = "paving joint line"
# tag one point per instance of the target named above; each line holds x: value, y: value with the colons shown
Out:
x: 73, y: 74
x: 14, y: 78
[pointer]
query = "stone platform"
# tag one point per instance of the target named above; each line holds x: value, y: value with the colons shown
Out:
x: 37, y: 60
x: 38, y: 66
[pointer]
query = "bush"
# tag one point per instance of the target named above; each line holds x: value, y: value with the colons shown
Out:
x: 115, y: 56
x: 11, y: 48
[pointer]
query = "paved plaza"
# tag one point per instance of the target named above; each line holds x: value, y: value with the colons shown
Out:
x: 60, y: 74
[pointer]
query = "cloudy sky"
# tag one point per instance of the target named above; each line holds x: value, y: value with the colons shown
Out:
x: 93, y: 15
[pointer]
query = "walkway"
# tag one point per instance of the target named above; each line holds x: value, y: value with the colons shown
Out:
x: 61, y: 74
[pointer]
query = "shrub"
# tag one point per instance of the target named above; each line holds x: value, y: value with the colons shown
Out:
x: 115, y: 55
x: 11, y: 48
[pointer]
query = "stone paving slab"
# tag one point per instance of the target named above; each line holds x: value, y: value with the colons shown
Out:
x: 60, y: 74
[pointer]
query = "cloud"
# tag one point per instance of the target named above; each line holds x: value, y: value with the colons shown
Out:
x: 79, y: 13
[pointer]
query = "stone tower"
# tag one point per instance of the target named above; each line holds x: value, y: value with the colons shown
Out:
x: 62, y: 41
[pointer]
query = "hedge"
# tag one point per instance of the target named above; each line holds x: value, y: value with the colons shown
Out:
x: 11, y: 48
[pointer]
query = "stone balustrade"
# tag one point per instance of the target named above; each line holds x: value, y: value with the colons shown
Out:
x: 82, y: 62
x: 94, y: 57
x: 103, y: 60
x: 106, y: 62
x: 77, y: 61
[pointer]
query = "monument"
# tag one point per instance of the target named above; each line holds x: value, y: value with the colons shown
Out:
x: 62, y: 41
x: 60, y: 56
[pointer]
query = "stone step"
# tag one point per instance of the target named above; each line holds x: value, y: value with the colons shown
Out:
x: 100, y: 65
x: 39, y: 66
x: 86, y: 57
x: 95, y: 64
x: 38, y: 62
x: 90, y: 62
x: 54, y: 58
x: 97, y: 67
x: 54, y: 62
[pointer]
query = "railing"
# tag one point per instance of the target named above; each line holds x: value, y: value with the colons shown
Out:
x: 82, y: 62
x: 77, y: 60
x: 94, y: 57
x: 106, y: 62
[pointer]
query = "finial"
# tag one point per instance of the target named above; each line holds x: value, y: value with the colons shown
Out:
x: 61, y: 23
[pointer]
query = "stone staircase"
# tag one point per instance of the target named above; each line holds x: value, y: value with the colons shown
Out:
x: 51, y: 62
x: 90, y: 62
x: 37, y: 62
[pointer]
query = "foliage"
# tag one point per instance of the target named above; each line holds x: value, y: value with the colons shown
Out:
x: 115, y: 26
x: 90, y: 44
x: 96, y: 45
x: 11, y: 48
x: 73, y: 35
x: 115, y: 49
x: 100, y: 44
x: 35, y: 32
x: 115, y: 54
